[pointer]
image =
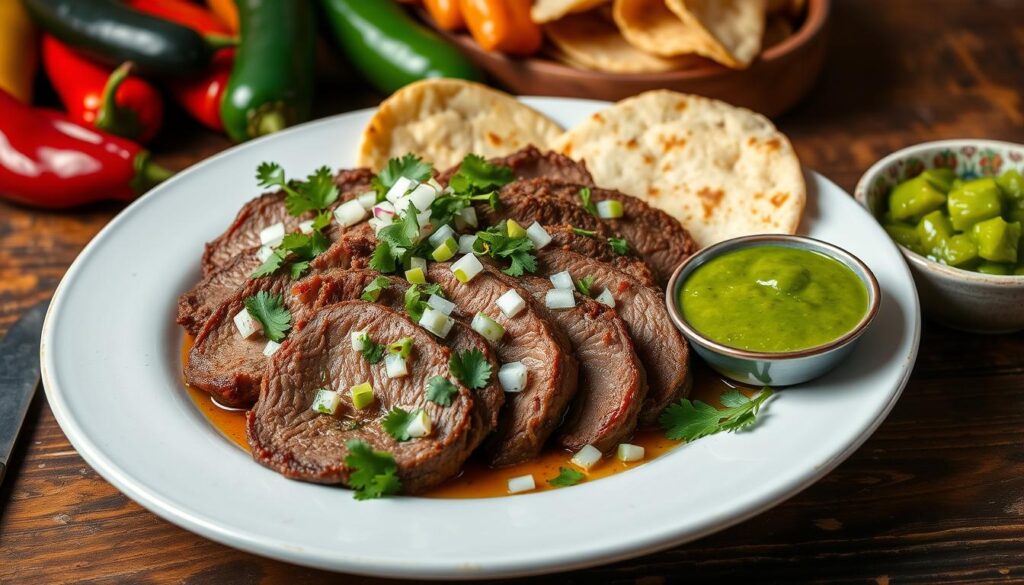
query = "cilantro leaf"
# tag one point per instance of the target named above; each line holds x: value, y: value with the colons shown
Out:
x: 271, y: 264
x: 440, y: 390
x: 270, y: 311
x: 690, y: 421
x: 298, y: 269
x: 270, y: 174
x: 583, y: 232
x: 396, y: 423
x: 374, y: 473
x: 382, y: 260
x: 372, y: 351
x: 316, y: 193
x: 583, y: 285
x: 619, y: 245
x: 567, y: 476
x: 372, y: 291
x: 471, y: 368
x: 586, y: 203
x: 416, y: 299
x: 476, y: 175
x: 496, y: 243
x: 298, y: 248
x: 409, y: 166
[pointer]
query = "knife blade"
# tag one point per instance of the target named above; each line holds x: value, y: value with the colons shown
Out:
x: 19, y: 376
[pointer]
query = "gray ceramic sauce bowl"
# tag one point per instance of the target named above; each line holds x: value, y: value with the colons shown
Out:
x: 961, y: 299
x: 772, y: 368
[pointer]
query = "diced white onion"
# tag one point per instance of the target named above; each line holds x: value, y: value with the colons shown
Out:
x: 395, y: 367
x: 523, y: 483
x: 245, y: 324
x: 606, y: 298
x: 271, y: 348
x: 400, y: 188
x: 443, y: 233
x: 441, y: 304
x: 379, y: 224
x: 384, y: 210
x: 359, y: 339
x: 628, y: 452
x: 609, y: 209
x: 586, y: 457
x: 466, y: 268
x: 272, y: 235
x: 350, y: 213
x: 510, y: 303
x: 401, y: 204
x: 367, y: 199
x: 513, y: 376
x: 538, y: 235
x: 417, y: 262
x: 466, y: 244
x: 433, y: 183
x: 489, y: 328
x: 422, y: 196
x: 436, y: 322
x: 557, y: 298
x: 264, y: 252
x: 562, y: 280
x: 326, y: 401
x: 306, y: 227
x: 423, y: 220
x: 468, y: 216
x: 420, y: 424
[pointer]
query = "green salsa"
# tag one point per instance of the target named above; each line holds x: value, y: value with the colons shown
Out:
x: 773, y: 299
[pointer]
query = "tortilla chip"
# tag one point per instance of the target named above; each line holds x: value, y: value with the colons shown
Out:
x: 722, y: 171
x: 727, y: 31
x: 443, y: 120
x: 590, y: 41
x: 550, y: 10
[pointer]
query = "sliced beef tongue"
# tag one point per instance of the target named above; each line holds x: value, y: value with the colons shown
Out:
x: 286, y: 435
x: 612, y: 382
x: 222, y: 362
x: 267, y: 210
x: 598, y: 247
x: 663, y: 351
x: 528, y: 201
x: 529, y: 417
x: 319, y: 290
x: 531, y: 163
x: 196, y: 305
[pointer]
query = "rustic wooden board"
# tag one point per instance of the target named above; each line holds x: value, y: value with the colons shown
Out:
x: 937, y: 494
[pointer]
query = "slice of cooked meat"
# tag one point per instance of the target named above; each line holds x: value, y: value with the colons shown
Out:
x: 530, y: 416
x: 529, y: 201
x: 196, y: 305
x: 266, y: 210
x: 286, y: 435
x: 224, y: 364
x: 656, y: 237
x: 530, y: 163
x: 612, y: 383
x: 355, y: 242
x: 596, y: 246
x: 661, y: 348
x: 319, y: 290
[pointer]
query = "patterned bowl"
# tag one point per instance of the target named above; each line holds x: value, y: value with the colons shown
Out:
x: 961, y: 299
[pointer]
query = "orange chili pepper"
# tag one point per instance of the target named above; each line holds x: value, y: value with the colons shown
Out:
x: 446, y: 13
x: 502, y: 25
x: 226, y: 11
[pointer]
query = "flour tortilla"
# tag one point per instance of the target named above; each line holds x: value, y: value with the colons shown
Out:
x: 722, y: 171
x: 590, y: 41
x: 443, y: 120
x: 727, y: 31
x: 544, y: 11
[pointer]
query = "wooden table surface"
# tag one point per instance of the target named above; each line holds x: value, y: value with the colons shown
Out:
x: 936, y: 494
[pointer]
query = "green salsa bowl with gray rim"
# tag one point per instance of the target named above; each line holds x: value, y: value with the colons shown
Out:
x: 769, y: 319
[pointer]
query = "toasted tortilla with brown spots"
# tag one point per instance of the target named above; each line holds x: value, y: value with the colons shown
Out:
x: 722, y: 171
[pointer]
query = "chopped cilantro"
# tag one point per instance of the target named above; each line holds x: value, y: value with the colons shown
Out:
x: 373, y: 473
x: 586, y: 203
x: 372, y: 351
x: 619, y: 245
x: 416, y: 299
x: 471, y: 368
x: 583, y: 232
x: 409, y: 166
x: 396, y: 241
x: 372, y: 291
x: 316, y: 193
x: 476, y: 176
x: 382, y: 260
x: 270, y: 311
x: 396, y: 423
x: 690, y: 421
x: 496, y: 243
x: 440, y: 390
x: 583, y: 285
x: 296, y: 248
x: 567, y: 476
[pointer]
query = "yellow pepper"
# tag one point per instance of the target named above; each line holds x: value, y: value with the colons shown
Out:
x: 19, y: 50
x: 502, y: 25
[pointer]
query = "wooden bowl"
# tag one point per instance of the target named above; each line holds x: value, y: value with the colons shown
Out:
x: 773, y: 83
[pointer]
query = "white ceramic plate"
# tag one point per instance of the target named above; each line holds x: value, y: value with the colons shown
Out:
x: 111, y: 369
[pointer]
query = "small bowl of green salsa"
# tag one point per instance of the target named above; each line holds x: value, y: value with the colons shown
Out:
x: 956, y: 210
x: 773, y: 309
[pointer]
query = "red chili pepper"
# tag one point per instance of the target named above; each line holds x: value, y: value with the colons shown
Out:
x: 200, y: 95
x: 112, y: 101
x: 48, y: 159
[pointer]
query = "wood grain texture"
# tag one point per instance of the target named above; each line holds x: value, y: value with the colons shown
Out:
x: 937, y: 494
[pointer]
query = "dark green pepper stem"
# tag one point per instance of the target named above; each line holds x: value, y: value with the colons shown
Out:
x: 148, y: 174
x: 112, y: 117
